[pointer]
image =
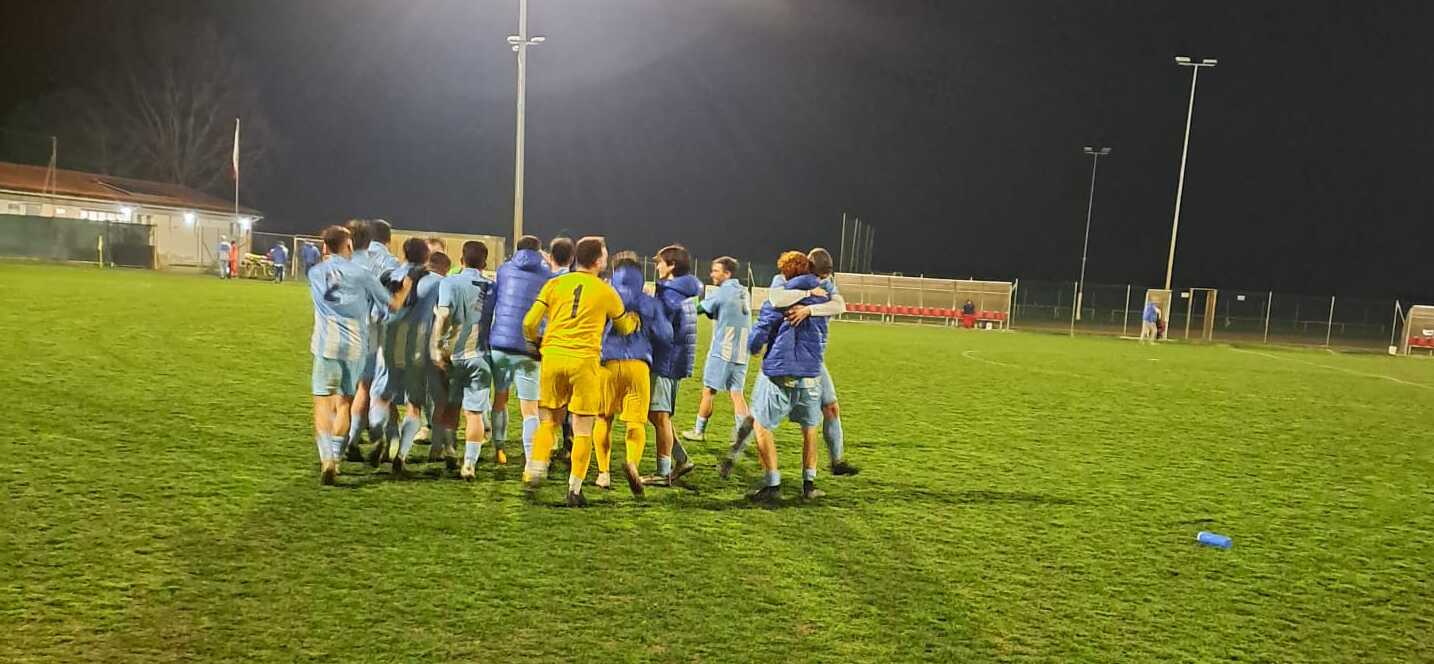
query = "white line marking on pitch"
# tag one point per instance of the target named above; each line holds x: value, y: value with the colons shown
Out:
x: 1351, y: 372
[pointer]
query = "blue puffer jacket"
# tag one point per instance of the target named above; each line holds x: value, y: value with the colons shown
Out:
x: 656, y: 330
x: 677, y: 360
x: 791, y: 351
x: 516, y: 287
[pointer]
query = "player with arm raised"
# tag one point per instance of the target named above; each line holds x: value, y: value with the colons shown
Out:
x: 576, y: 307
x: 626, y: 362
x: 344, y: 296
x: 462, y: 299
x: 726, y: 366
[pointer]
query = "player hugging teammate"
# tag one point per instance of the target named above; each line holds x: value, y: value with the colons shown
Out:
x: 580, y: 350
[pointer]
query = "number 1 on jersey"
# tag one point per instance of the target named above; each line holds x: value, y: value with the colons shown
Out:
x: 577, y: 297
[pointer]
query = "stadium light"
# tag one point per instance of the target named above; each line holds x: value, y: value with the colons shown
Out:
x: 520, y: 43
x: 1095, y: 155
x: 126, y: 212
x: 1184, y: 61
x: 188, y: 218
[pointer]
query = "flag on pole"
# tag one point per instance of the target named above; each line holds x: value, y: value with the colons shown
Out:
x: 235, y: 165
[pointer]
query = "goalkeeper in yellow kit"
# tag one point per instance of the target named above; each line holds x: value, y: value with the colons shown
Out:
x: 577, y: 307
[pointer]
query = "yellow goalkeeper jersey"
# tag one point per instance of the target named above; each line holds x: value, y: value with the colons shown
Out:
x: 577, y: 306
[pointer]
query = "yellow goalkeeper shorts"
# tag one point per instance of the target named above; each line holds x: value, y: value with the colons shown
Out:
x: 627, y: 390
x: 575, y: 383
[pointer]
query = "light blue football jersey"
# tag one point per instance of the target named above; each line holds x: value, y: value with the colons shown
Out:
x: 464, y: 294
x: 345, y: 295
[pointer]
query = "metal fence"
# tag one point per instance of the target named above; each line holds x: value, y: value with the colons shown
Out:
x: 1238, y: 315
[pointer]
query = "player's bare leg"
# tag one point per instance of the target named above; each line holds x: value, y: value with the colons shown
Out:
x: 809, y: 464
x: 666, y: 473
x: 836, y: 445
x: 473, y: 438
x: 500, y: 426
x: 698, y: 433
x: 360, y: 402
x: 771, y: 490
x: 324, y: 413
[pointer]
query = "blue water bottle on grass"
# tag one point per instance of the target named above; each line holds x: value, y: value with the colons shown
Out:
x: 1213, y: 539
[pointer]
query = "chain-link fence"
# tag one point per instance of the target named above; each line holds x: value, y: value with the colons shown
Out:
x: 1234, y: 315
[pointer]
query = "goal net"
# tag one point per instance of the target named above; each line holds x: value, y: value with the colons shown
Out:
x: 1418, y: 330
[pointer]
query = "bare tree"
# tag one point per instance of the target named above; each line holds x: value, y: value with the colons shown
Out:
x: 172, y: 99
x: 161, y: 108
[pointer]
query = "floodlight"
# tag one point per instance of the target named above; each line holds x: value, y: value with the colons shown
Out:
x: 1182, y: 59
x: 189, y: 218
x: 537, y: 40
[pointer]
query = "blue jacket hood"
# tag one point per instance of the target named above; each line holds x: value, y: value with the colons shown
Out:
x: 627, y: 281
x: 655, y: 335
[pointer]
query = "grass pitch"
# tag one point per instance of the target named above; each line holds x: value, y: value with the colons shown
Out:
x: 1021, y: 496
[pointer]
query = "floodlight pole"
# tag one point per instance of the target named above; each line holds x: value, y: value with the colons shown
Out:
x: 841, y: 257
x: 520, y: 43
x: 1184, y: 152
x: 1095, y: 155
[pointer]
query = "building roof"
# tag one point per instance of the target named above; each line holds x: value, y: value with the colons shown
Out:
x: 31, y: 179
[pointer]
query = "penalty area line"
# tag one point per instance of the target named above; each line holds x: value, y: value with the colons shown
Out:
x: 1351, y: 372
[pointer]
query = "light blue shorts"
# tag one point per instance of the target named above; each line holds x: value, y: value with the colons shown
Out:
x: 664, y: 395
x: 828, y: 387
x: 470, y: 381
x: 794, y: 399
x: 510, y: 368
x: 331, y: 376
x: 723, y: 376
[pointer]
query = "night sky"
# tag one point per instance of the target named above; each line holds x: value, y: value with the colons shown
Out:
x: 748, y: 126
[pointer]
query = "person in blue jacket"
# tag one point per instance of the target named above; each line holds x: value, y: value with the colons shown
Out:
x: 676, y: 289
x: 626, y: 362
x: 782, y: 298
x: 309, y: 256
x: 789, y: 386
x: 279, y: 256
x: 514, y: 360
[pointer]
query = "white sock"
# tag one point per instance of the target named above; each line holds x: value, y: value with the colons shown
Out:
x: 575, y: 484
x: 336, y: 447
x: 325, y: 450
x: 470, y: 452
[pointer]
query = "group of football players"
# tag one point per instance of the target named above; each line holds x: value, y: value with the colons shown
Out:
x: 584, y: 343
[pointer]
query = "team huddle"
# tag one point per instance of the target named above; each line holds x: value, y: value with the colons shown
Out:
x: 583, y: 346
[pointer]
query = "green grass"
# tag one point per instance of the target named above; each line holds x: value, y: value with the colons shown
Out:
x: 1022, y: 496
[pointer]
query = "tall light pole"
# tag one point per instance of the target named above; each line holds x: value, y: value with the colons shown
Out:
x: 520, y: 43
x: 1180, y: 188
x: 1095, y: 155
